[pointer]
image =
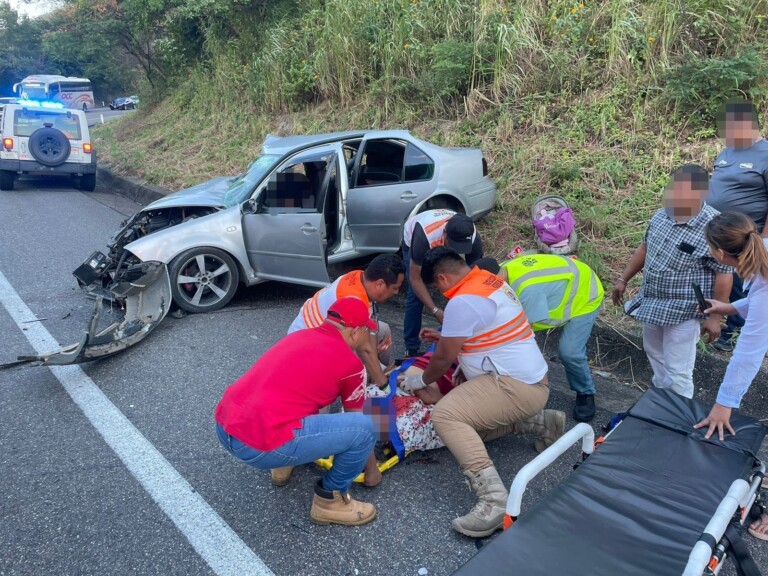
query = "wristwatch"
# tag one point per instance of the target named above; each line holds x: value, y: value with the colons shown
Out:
x: 434, y: 311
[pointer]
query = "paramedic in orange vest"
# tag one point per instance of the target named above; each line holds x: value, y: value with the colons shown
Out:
x: 380, y: 280
x: 420, y: 233
x: 506, y: 379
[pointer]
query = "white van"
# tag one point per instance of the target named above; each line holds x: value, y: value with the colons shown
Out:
x: 45, y: 139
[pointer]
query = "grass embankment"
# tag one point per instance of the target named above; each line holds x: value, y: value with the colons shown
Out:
x: 595, y: 101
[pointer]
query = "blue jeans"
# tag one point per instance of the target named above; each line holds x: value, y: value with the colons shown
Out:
x: 347, y: 436
x: 413, y: 309
x: 734, y: 322
x: 572, y: 350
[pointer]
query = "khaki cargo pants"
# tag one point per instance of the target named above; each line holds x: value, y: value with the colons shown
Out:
x: 483, y: 409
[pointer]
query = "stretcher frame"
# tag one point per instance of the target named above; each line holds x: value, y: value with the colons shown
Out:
x: 720, y: 539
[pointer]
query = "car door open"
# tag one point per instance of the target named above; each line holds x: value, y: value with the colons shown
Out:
x: 284, y: 226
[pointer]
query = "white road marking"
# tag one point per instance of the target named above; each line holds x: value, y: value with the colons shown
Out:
x: 210, y: 536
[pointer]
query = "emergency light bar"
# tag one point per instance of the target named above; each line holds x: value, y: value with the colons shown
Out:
x: 36, y: 104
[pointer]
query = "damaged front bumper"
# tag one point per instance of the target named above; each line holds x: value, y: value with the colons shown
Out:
x: 145, y: 291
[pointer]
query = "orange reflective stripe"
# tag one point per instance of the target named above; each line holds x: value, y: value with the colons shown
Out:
x: 516, y: 321
x: 316, y: 316
x: 429, y: 228
x: 523, y: 333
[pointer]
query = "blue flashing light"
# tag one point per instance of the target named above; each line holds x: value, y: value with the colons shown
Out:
x: 37, y: 104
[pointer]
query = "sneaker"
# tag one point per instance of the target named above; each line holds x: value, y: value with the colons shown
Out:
x: 723, y: 344
x: 333, y: 507
x: 584, y: 410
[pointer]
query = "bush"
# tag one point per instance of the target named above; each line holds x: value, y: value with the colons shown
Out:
x: 702, y: 84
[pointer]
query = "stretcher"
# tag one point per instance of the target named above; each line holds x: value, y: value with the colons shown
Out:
x: 651, y: 498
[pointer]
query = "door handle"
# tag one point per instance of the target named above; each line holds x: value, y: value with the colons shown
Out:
x: 408, y: 195
x: 307, y: 229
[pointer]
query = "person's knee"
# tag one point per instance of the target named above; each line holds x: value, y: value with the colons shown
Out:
x: 442, y: 417
x: 364, y: 425
x: 569, y: 354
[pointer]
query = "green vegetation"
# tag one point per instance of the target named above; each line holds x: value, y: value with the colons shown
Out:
x: 597, y: 101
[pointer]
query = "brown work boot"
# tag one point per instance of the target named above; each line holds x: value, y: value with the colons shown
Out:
x: 281, y: 476
x: 333, y: 507
x: 549, y: 424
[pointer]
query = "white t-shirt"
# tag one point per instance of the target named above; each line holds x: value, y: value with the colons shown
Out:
x: 465, y: 316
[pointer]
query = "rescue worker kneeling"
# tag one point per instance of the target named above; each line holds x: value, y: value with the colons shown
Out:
x: 506, y: 379
x: 269, y: 418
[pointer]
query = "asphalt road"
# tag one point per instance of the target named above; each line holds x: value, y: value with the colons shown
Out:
x: 81, y: 497
x: 102, y: 115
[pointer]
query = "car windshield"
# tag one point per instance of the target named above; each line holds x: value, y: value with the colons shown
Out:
x: 244, y: 184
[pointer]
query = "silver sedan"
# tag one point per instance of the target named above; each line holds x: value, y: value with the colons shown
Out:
x: 306, y: 203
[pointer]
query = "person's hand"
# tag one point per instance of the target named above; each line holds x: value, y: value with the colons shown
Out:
x: 411, y: 383
x: 429, y: 335
x: 439, y: 315
x: 719, y: 419
x: 710, y: 329
x: 618, y: 292
x: 717, y: 307
x: 458, y: 377
x: 384, y: 345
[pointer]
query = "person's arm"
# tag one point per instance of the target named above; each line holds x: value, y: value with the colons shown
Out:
x: 636, y: 264
x: 747, y: 358
x: 710, y: 328
x: 765, y: 181
x: 421, y: 290
x: 368, y: 353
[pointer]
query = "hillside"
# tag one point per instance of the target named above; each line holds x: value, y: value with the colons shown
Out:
x: 595, y: 101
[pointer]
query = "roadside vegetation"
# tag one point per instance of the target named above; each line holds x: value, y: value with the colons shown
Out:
x: 594, y: 100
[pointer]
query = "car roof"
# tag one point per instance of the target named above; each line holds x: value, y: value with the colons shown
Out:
x: 284, y: 144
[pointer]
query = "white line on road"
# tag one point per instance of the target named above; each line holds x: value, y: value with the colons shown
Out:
x: 208, y: 533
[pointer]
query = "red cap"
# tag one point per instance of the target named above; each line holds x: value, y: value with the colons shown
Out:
x: 351, y: 312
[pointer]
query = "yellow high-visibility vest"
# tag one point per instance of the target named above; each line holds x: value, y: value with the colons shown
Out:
x: 583, y: 292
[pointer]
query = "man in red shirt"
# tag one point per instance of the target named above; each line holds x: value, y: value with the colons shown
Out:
x: 269, y: 418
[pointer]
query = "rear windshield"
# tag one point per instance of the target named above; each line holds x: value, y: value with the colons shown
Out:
x: 25, y: 122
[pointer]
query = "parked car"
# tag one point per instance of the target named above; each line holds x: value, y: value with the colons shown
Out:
x: 45, y: 139
x: 305, y: 203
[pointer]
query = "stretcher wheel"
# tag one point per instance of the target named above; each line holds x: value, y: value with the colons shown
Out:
x: 756, y: 511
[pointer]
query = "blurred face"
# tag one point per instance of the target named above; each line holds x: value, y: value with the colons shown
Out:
x: 683, y: 198
x: 741, y: 133
x: 382, y: 291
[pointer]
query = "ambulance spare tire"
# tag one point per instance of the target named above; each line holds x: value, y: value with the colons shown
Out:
x: 49, y: 146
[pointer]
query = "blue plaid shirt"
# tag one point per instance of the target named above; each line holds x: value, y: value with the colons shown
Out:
x: 677, y: 255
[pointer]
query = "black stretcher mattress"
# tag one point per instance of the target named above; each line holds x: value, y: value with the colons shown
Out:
x: 637, y: 505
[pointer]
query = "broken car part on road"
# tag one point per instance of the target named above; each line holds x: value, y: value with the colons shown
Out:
x: 144, y: 290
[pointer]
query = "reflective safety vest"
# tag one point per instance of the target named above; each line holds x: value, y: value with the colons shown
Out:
x: 314, y: 310
x: 484, y: 350
x: 432, y: 221
x: 582, y: 294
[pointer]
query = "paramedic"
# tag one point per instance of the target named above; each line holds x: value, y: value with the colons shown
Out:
x: 380, y: 280
x: 269, y: 417
x: 506, y: 379
x: 420, y: 233
x: 734, y: 240
x: 559, y: 291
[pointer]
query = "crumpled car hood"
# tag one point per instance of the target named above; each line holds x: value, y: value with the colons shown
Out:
x: 209, y: 193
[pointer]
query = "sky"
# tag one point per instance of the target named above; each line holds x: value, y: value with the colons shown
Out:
x: 33, y: 8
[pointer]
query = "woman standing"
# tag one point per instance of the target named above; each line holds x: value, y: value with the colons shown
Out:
x: 734, y: 240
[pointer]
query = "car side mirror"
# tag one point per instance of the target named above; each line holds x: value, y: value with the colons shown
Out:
x: 253, y: 206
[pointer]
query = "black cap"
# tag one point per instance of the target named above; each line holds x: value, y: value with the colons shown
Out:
x: 460, y: 232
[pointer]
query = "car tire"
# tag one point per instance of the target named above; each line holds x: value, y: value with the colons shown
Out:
x: 443, y: 202
x: 88, y: 182
x: 7, y: 179
x: 49, y: 146
x: 206, y: 290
